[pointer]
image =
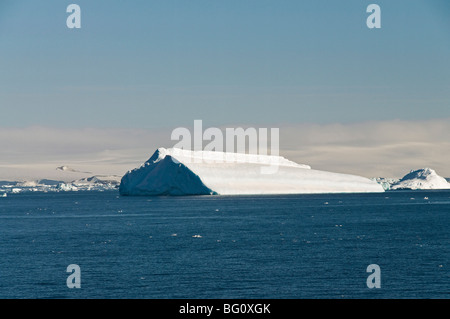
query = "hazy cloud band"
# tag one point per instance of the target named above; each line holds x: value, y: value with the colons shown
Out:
x: 389, y: 148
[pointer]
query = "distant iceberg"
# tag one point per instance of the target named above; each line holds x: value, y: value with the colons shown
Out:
x: 425, y: 178
x: 182, y: 172
x: 93, y: 183
x: 386, y: 183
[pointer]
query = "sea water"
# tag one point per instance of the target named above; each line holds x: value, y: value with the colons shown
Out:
x: 282, y: 247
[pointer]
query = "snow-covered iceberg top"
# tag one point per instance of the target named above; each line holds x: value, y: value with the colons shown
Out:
x: 183, y: 172
x: 212, y: 157
x: 425, y: 178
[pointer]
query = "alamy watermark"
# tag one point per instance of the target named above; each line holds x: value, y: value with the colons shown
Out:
x: 73, y: 21
x: 373, y: 21
x: 74, y: 279
x: 374, y: 279
x: 233, y: 145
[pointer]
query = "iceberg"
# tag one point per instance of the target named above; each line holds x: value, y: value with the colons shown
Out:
x: 98, y: 182
x: 386, y: 183
x: 424, y: 178
x: 67, y: 187
x: 93, y: 183
x: 176, y: 171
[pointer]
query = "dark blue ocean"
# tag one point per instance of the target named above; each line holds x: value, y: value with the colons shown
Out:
x: 282, y: 247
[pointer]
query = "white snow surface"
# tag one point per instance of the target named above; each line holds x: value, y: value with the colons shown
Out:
x: 183, y: 172
x: 424, y: 178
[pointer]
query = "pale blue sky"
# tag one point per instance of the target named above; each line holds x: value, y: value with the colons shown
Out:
x: 148, y: 64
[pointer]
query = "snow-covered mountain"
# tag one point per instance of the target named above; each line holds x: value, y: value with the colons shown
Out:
x: 425, y: 178
x: 99, y: 180
x: 181, y: 172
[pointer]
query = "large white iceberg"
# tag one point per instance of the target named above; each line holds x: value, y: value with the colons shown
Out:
x: 182, y: 172
x: 425, y: 178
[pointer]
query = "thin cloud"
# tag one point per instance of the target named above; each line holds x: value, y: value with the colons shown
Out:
x: 372, y: 149
x: 389, y: 148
